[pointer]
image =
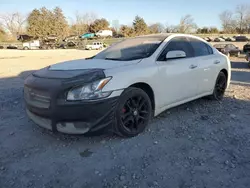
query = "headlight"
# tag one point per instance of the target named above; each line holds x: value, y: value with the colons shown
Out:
x: 90, y: 91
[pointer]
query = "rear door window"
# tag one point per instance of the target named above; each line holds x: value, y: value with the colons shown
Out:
x: 200, y: 48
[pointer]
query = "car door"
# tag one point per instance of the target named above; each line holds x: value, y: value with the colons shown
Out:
x: 207, y: 68
x: 178, y: 76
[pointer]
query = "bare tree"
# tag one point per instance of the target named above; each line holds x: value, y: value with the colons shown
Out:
x: 171, y: 28
x: 242, y: 16
x: 156, y: 28
x: 14, y: 23
x: 228, y: 21
x: 187, y: 24
x: 82, y: 22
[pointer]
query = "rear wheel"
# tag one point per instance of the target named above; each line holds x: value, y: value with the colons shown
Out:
x: 25, y: 48
x: 133, y: 112
x: 220, y: 87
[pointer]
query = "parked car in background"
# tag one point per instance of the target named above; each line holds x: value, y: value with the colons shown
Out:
x: 246, y: 48
x: 69, y: 45
x: 241, y: 39
x: 248, y: 56
x: 219, y: 39
x: 231, y: 39
x: 206, y: 39
x: 24, y: 38
x: 1, y: 47
x: 31, y: 45
x: 94, y: 46
x: 71, y: 37
x: 87, y: 35
x: 210, y: 39
x: 12, y: 46
x: 228, y: 49
x: 122, y: 87
x: 104, y: 33
x: 223, y: 37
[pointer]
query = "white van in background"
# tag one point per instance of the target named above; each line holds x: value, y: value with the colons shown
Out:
x: 104, y: 33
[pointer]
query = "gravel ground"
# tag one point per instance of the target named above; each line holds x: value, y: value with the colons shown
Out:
x: 203, y: 143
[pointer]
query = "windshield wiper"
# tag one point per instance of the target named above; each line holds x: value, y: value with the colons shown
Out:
x: 115, y: 59
x: 90, y: 57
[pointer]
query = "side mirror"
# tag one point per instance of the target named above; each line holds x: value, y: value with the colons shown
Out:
x: 175, y: 54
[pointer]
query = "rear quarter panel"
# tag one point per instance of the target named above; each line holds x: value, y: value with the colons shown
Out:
x: 225, y: 64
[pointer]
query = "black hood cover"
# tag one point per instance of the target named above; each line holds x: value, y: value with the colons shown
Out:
x: 87, y: 75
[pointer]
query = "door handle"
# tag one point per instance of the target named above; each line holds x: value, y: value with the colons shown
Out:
x: 216, y: 62
x: 193, y: 66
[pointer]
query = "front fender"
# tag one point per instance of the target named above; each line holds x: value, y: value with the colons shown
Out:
x: 124, y: 77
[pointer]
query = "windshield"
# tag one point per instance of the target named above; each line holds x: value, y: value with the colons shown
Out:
x: 130, y: 49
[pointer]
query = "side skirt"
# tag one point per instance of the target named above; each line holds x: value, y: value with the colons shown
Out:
x: 160, y: 110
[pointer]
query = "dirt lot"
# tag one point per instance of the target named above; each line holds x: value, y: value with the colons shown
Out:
x: 200, y: 144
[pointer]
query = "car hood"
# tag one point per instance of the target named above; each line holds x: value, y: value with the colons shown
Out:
x: 81, y: 64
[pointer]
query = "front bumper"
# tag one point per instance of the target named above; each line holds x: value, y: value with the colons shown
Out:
x: 47, y: 106
x: 77, y: 118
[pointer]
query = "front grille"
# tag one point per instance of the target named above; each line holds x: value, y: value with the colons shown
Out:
x: 37, y: 98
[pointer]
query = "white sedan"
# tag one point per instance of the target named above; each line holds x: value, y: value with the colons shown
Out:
x: 122, y: 87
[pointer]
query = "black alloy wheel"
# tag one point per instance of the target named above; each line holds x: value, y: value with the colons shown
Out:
x: 133, y: 112
x: 220, y: 87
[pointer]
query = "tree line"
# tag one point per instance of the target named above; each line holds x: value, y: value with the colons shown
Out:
x: 236, y: 21
x: 44, y: 22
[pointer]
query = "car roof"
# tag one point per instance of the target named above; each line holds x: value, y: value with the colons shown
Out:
x: 163, y: 36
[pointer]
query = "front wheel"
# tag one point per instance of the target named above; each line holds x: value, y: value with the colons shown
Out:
x: 133, y: 112
x: 220, y: 87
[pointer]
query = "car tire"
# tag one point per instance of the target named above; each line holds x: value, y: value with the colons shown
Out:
x: 238, y: 54
x: 220, y: 87
x: 25, y: 48
x: 133, y: 112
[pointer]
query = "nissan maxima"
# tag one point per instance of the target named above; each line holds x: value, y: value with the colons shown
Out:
x: 124, y: 86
